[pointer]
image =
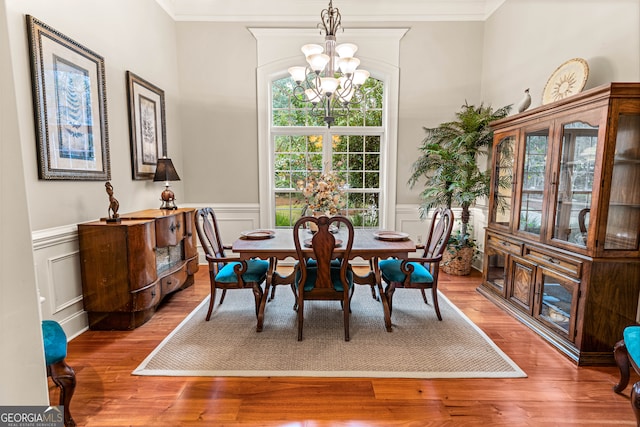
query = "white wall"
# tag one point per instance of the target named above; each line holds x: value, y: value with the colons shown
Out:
x: 130, y: 35
x: 24, y: 377
x: 526, y: 40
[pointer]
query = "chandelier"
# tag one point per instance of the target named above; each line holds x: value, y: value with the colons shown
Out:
x: 331, y: 78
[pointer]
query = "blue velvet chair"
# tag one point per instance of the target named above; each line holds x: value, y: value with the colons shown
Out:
x: 323, y: 273
x: 627, y: 352
x: 63, y: 376
x: 420, y: 272
x: 227, y: 273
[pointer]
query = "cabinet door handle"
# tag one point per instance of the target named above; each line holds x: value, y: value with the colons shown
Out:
x: 553, y: 260
x: 153, y: 294
x: 172, y: 227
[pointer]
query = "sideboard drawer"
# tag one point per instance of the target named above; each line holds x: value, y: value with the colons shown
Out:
x: 146, y: 298
x: 169, y: 230
x: 174, y: 280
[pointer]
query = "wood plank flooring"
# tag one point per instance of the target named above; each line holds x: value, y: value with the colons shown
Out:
x: 555, y: 393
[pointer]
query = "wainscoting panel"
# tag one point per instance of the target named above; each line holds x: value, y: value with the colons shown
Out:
x: 57, y: 266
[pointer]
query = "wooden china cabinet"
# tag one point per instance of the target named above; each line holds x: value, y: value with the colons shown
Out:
x: 128, y: 267
x: 562, y: 248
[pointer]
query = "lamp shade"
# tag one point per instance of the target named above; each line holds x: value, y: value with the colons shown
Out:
x: 165, y: 171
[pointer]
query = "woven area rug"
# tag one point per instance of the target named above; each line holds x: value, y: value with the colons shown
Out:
x: 420, y: 346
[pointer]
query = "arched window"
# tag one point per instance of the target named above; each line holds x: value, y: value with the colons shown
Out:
x: 303, y: 146
x: 289, y: 131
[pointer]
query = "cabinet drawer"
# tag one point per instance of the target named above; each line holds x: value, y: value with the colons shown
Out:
x: 169, y: 230
x: 146, y: 298
x: 505, y: 245
x: 569, y: 266
x: 173, y: 281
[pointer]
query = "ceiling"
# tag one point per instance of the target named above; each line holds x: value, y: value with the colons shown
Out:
x: 303, y: 11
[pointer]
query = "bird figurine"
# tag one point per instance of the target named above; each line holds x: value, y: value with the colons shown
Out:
x: 525, y: 102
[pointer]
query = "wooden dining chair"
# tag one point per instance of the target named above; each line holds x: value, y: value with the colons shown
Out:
x: 227, y: 273
x: 323, y: 273
x: 421, y: 272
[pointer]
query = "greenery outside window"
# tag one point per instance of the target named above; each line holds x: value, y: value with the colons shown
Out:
x: 303, y: 145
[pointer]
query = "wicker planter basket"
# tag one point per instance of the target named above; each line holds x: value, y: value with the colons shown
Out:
x: 457, y: 262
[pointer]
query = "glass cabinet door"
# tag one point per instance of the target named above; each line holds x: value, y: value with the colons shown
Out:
x: 623, y: 223
x: 502, y: 181
x: 575, y: 182
x: 533, y: 181
x: 558, y: 299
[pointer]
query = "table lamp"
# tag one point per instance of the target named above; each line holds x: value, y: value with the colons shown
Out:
x: 165, y: 171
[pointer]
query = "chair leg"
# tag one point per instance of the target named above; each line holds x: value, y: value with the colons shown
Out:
x: 64, y: 377
x: 635, y: 401
x: 212, y: 302
x: 300, y: 318
x: 224, y: 293
x: 622, y: 360
x: 257, y: 293
x: 434, y: 293
x: 424, y: 296
x: 345, y: 311
x: 389, y: 291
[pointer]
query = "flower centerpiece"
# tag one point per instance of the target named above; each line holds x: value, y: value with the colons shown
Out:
x: 323, y: 193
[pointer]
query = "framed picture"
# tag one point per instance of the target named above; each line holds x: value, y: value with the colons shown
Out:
x: 147, y: 126
x: 70, y: 106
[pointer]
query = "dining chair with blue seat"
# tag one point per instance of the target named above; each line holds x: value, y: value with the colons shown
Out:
x: 419, y: 272
x: 224, y: 272
x: 323, y: 273
x: 627, y: 352
x: 63, y: 375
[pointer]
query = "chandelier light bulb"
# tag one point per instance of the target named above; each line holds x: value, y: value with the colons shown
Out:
x: 348, y: 65
x: 311, y: 49
x: 346, y: 50
x: 313, y: 96
x: 298, y: 74
x: 318, y: 61
x: 360, y: 76
x: 329, y: 85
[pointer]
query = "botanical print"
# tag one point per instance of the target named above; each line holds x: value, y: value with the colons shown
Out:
x: 149, y: 132
x: 73, y: 101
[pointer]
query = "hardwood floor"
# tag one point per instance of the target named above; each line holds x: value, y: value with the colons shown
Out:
x: 556, y: 392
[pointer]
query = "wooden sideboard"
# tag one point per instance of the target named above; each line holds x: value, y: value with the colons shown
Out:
x: 128, y: 267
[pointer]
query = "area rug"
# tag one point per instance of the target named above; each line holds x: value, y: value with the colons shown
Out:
x: 419, y: 346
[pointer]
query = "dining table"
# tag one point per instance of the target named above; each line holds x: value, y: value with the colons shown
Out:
x: 368, y: 244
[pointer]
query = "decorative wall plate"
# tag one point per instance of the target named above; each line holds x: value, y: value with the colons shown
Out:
x: 568, y: 79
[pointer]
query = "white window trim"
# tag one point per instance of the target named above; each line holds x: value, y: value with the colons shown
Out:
x: 269, y: 70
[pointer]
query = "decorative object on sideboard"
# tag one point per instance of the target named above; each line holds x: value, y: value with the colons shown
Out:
x: 525, y: 102
x: 165, y: 171
x: 112, y: 211
x: 568, y: 79
x: 147, y: 126
x: 330, y: 81
x: 70, y: 106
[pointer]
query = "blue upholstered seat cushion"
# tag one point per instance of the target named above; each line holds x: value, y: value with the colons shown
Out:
x: 256, y: 272
x: 55, y: 341
x: 390, y: 270
x: 312, y: 274
x: 631, y: 337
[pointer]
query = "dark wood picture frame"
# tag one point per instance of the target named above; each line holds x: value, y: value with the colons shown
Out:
x: 147, y: 126
x: 70, y: 106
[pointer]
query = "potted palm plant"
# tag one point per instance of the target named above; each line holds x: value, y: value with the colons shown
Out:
x: 448, y: 167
